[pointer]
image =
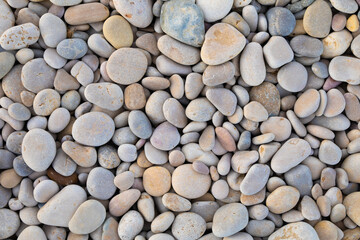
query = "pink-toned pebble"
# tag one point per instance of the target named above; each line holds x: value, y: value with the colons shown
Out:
x: 330, y: 83
x: 200, y: 167
x: 338, y: 22
x: 140, y: 143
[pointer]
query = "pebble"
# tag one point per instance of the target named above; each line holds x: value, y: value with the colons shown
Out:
x: 327, y: 230
x: 130, y: 225
x: 188, y: 226
x: 217, y: 50
x: 272, y: 50
x: 65, y: 2
x: 53, y: 29
x: 81, y: 155
x: 335, y: 103
x: 256, y: 112
x: 154, y: 155
x: 73, y: 48
x: 281, y: 21
x: 45, y: 190
x: 20, y: 36
x: 355, y: 46
x: 121, y: 203
x: 255, y: 179
x: 301, y: 178
x: 345, y: 69
x: 60, y: 208
x: 157, y: 181
x: 350, y: 166
x: 165, y: 137
x: 218, y: 74
x: 300, y: 230
x: 307, y: 46
x: 140, y: 124
x: 138, y: 14
x: 93, y: 129
x: 260, y: 228
x: 224, y: 225
x: 11, y: 223
x: 7, y: 15
x: 185, y: 175
x: 303, y: 108
x: 279, y: 126
x: 298, y: 148
x: 88, y: 217
x: 174, y: 113
x: 223, y: 99
x: 185, y: 27
x: 329, y: 152
x: 336, y: 43
x: 347, y: 6
x: 318, y: 25
x: 252, y: 65
x: 237, y: 21
x: 220, y: 189
x: 32, y: 233
x: 86, y: 13
x: 298, y: 75
x: 38, y: 149
x: 162, y: 222
x: 117, y: 32
x: 178, y: 51
x: 282, y: 199
x: 176, y: 203
x: 216, y: 10
x: 103, y: 189
x: 134, y: 66
x: 105, y: 95
x: 7, y: 61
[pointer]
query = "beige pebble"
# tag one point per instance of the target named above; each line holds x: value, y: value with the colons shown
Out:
x: 256, y: 112
x: 282, y: 199
x: 307, y: 103
x: 335, y: 104
x: 86, y: 13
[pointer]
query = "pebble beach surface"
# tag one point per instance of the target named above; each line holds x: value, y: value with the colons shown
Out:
x: 179, y: 119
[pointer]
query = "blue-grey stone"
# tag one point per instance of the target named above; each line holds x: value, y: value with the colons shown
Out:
x: 281, y: 21
x: 21, y: 168
x: 300, y: 178
x: 73, y: 48
x: 184, y: 21
x: 5, y: 195
x: 6, y: 159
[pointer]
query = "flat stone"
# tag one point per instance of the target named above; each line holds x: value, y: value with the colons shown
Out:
x: 138, y: 13
x: 315, y: 24
x: 281, y: 21
x: 200, y: 109
x: 347, y: 6
x: 176, y: 203
x: 45, y: 190
x: 185, y: 26
x: 11, y: 223
x: 335, y: 103
x: 300, y: 177
x: 130, y: 225
x: 350, y: 165
x: 117, y: 32
x: 103, y: 189
x: 355, y: 46
x: 302, y: 106
x: 193, y: 152
x: 20, y: 36
x: 165, y: 137
x: 174, y: 113
x: 297, y: 148
x: 38, y: 149
x: 88, y: 217
x: 30, y: 232
x: 140, y: 124
x: 93, y: 129
x: 81, y: 155
x: 7, y: 16
x: 336, y: 43
x: 252, y: 64
x: 279, y: 126
x: 133, y: 65
x: 345, y: 69
x: 65, y: 2
x: 105, y: 95
x: 306, y: 46
x: 255, y: 179
x: 217, y: 50
x: 154, y: 155
x: 218, y: 74
x: 352, y: 209
x: 268, y: 95
x: 230, y: 219
x: 255, y: 111
x: 272, y: 50
x: 185, y: 175
x: 46, y: 101
x: 7, y: 61
x: 122, y: 202
x: 188, y: 226
x: 60, y: 208
x: 215, y: 10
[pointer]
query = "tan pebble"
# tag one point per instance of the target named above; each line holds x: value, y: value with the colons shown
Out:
x: 351, y: 165
x: 122, y: 202
x: 335, y: 104
x: 320, y: 132
x: 256, y: 112
x: 134, y: 95
x: 177, y: 86
x: 118, y: 32
x: 324, y: 205
x: 175, y: 202
x: 157, y: 181
x: 352, y: 107
x: 86, y: 13
x: 307, y: 103
x: 148, y: 42
x: 155, y: 83
x: 249, y: 200
x: 207, y: 139
x: 323, y: 103
x: 327, y: 230
x: 352, y: 23
x: 283, y: 199
x: 9, y: 178
x: 279, y: 126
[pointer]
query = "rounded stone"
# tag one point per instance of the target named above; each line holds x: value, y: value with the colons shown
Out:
x: 140, y: 124
x: 255, y: 111
x: 52, y: 29
x: 73, y: 48
x: 222, y: 43
x: 36, y: 75
x: 45, y: 190
x: 279, y: 126
x: 134, y: 95
x: 315, y: 24
x: 307, y: 103
x: 105, y: 95
x: 93, y: 129
x: 268, y: 95
x: 19, y: 36
x: 336, y: 43
x: 282, y: 199
x: 352, y: 209
x: 46, y: 101
x: 10, y: 223
x: 188, y: 226
x: 122, y: 202
x: 130, y: 225
x: 165, y: 137
x: 292, y: 77
x: 185, y: 26
x: 252, y: 64
x: 335, y: 103
x: 103, y: 189
x: 127, y: 152
x: 299, y: 230
x: 200, y: 109
x: 345, y: 69
x: 215, y: 10
x: 277, y: 52
x: 345, y: 6
x: 255, y: 179
x: 137, y: 13
x: 58, y: 120
x: 38, y: 149
x: 7, y: 61
x: 183, y: 176
x: 157, y: 181
x: 32, y: 233
x: 230, y: 219
x: 19, y: 112
x: 351, y: 166
x: 223, y: 99
x: 281, y: 21
x: 174, y: 113
x: 117, y: 32
x: 329, y: 152
x: 88, y: 217
x: 133, y: 64
x: 306, y: 46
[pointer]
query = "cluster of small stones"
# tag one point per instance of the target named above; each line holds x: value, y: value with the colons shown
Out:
x: 180, y: 119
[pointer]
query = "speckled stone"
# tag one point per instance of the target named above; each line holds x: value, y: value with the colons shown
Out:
x: 268, y: 95
x: 188, y: 226
x: 73, y: 48
x: 93, y: 129
x: 299, y: 230
x: 184, y: 21
x: 20, y: 36
x: 281, y: 21
x: 138, y: 13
